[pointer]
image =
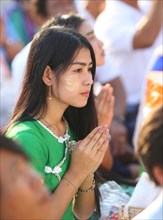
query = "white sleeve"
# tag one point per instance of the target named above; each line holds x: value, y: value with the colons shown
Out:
x: 117, y: 36
x: 106, y: 72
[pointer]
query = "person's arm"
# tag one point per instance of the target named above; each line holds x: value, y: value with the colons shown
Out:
x: 105, y: 107
x: 11, y: 48
x: 149, y: 26
x: 106, y: 103
x: 85, y: 198
x: 120, y: 97
x: 118, y: 131
x: 84, y: 202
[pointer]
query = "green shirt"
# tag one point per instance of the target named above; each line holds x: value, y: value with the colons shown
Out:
x: 44, y: 150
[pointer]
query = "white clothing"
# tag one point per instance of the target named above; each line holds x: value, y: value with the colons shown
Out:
x: 106, y: 72
x: 144, y: 193
x: 153, y: 211
x: 6, y: 93
x: 145, y: 4
x: 18, y: 68
x: 116, y: 27
x: 84, y: 12
x: 148, y: 196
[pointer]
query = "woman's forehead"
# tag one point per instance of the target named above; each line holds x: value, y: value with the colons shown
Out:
x: 83, y: 55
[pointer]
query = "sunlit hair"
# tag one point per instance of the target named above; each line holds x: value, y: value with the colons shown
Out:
x: 72, y: 20
x: 150, y: 141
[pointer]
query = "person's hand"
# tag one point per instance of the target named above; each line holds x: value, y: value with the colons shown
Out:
x: 105, y: 105
x: 88, y: 153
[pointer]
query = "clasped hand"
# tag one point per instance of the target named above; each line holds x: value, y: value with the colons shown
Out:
x: 88, y: 153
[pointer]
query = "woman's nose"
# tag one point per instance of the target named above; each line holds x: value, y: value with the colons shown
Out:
x: 88, y: 79
x: 100, y: 43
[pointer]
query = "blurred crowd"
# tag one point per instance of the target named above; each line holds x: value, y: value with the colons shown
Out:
x: 126, y: 36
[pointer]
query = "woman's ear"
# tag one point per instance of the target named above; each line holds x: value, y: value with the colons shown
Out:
x: 48, y: 76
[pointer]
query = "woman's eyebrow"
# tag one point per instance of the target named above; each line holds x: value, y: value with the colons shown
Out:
x: 81, y: 63
x: 89, y: 33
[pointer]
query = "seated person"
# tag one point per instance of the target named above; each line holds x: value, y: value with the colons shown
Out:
x: 150, y: 151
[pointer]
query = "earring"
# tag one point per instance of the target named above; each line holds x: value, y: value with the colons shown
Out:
x: 50, y: 93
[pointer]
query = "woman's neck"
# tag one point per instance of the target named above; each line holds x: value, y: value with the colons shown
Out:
x: 54, y: 112
x: 53, y: 117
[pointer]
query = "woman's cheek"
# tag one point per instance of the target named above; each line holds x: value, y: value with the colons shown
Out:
x: 72, y: 83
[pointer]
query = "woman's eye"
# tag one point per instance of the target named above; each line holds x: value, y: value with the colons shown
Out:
x: 91, y: 38
x: 78, y: 70
x: 90, y: 70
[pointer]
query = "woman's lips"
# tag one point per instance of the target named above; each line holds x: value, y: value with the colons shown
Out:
x: 86, y: 94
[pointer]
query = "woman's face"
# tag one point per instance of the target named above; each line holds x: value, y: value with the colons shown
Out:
x: 87, y: 30
x: 75, y: 84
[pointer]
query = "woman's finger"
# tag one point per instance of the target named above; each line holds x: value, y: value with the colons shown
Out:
x: 101, y: 140
x: 94, y: 134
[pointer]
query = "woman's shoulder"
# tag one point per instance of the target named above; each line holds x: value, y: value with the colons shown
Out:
x: 23, y: 128
x: 28, y: 135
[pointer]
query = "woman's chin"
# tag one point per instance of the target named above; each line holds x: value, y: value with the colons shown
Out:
x: 81, y: 105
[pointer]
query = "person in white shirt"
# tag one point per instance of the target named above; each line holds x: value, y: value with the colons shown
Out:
x: 6, y: 94
x: 90, y: 9
x: 150, y: 151
x: 130, y: 35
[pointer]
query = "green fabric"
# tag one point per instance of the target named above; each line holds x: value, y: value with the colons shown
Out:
x: 18, y: 22
x: 141, y: 170
x: 43, y: 150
